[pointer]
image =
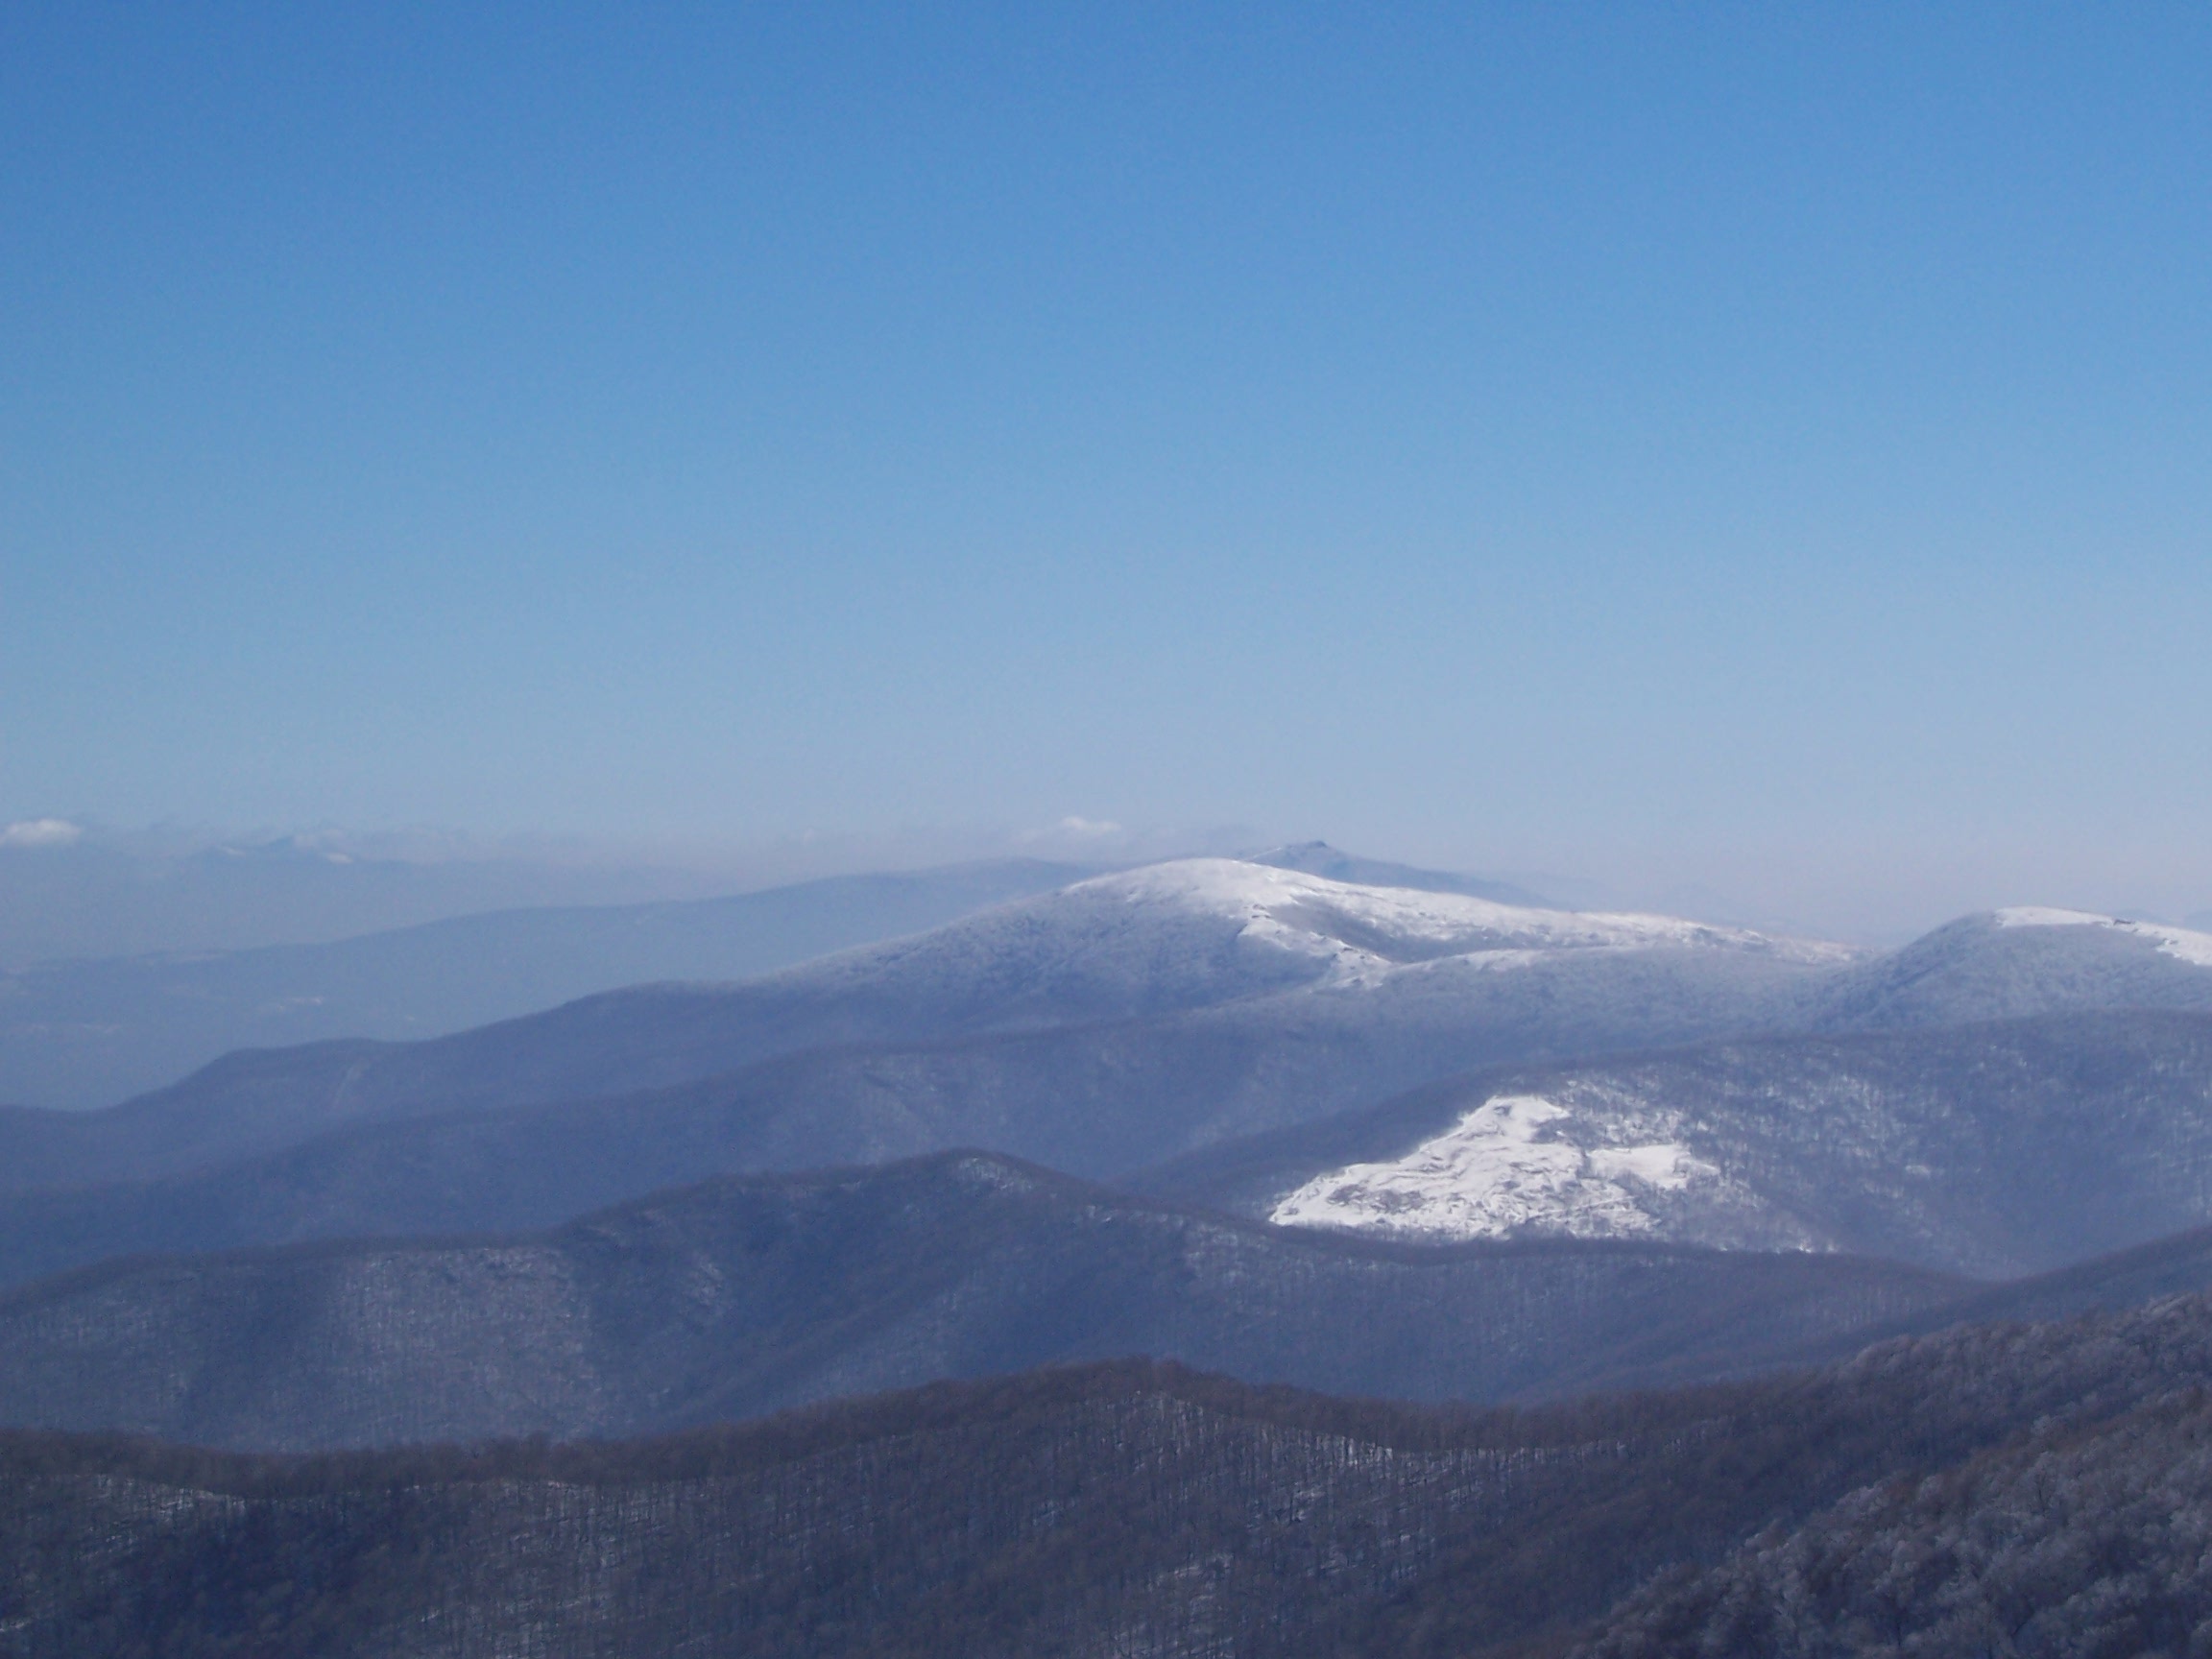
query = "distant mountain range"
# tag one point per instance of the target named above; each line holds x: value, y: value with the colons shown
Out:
x: 68, y: 893
x: 86, y: 1033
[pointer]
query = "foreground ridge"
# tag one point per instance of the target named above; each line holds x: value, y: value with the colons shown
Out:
x: 1126, y: 1506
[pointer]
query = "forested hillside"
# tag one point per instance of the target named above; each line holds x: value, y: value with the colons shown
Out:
x: 2088, y: 1542
x: 1100, y: 1511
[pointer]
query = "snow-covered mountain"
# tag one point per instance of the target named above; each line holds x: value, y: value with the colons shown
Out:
x: 1366, y: 1067
x: 2182, y: 943
x: 1361, y: 928
x: 1132, y: 1019
x: 1378, y: 987
x: 1199, y: 932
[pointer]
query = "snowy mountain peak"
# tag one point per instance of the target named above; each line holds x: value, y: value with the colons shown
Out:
x: 1362, y: 927
x: 2180, y: 943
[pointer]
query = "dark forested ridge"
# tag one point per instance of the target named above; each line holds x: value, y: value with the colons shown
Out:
x: 2084, y: 1541
x: 1109, y: 1509
x: 745, y: 1295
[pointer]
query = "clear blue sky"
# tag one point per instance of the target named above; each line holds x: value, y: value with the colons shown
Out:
x: 1753, y: 445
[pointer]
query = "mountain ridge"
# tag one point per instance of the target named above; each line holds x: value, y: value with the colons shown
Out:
x: 740, y: 1296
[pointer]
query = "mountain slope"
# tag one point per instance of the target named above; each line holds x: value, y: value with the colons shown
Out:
x: 84, y: 1033
x: 243, y: 1101
x: 2177, y: 1266
x: 1993, y: 1149
x: 1093, y: 1511
x: 2016, y: 963
x: 2076, y: 1540
x: 743, y: 1296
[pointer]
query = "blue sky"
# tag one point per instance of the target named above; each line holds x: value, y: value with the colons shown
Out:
x: 1759, y: 449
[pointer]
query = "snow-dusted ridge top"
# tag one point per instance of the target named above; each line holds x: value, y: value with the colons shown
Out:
x: 1363, y: 926
x: 2180, y: 943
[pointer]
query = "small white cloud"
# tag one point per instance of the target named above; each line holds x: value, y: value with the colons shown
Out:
x: 40, y: 832
x: 1091, y: 828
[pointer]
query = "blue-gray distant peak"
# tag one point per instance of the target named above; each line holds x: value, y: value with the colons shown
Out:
x: 77, y: 1034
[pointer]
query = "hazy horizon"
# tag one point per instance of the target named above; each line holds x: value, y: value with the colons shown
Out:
x: 581, y: 869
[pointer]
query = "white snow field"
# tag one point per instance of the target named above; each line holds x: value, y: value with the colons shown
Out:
x: 1502, y: 1170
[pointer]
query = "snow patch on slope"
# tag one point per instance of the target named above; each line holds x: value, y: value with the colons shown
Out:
x: 1502, y: 1170
x: 2179, y: 943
